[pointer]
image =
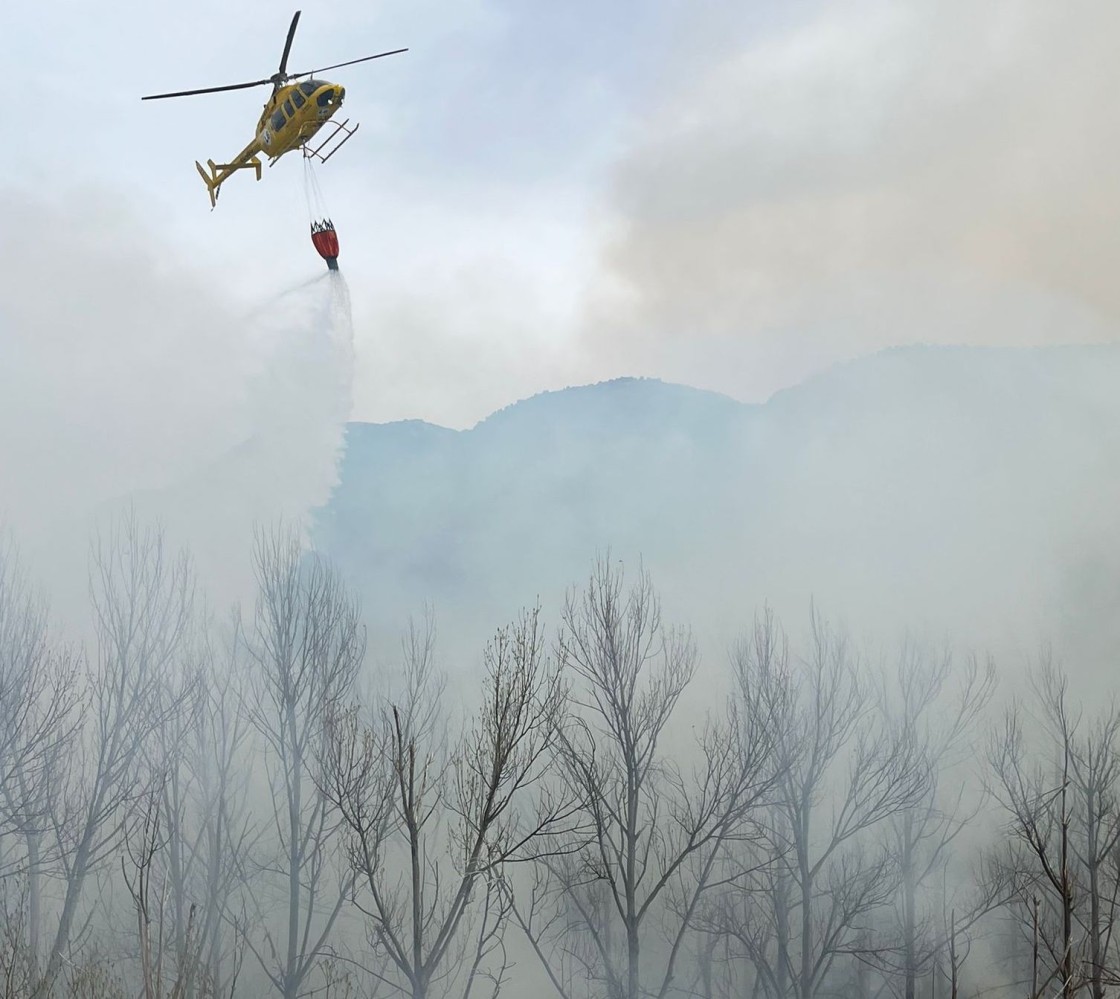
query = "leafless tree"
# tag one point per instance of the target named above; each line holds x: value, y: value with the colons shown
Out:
x: 169, y: 969
x: 307, y: 647
x: 18, y: 973
x: 169, y: 854
x: 225, y: 831
x: 844, y: 772
x: 658, y: 817
x: 1094, y: 776
x: 1061, y: 796
x: 923, y: 835
x: 38, y: 681
x: 962, y: 913
x: 204, y: 815
x: 142, y: 599
x: 433, y: 821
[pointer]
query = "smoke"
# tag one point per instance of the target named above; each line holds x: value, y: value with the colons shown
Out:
x: 873, y: 174
x: 121, y: 365
x: 128, y: 375
x: 299, y: 396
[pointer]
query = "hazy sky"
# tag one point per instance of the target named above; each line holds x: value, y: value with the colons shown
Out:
x: 728, y: 195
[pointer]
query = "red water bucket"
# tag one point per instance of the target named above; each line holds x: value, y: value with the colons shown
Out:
x: 325, y: 239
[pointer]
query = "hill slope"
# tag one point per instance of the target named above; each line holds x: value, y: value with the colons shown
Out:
x: 960, y: 490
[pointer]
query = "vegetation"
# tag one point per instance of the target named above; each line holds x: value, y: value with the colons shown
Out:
x: 195, y: 807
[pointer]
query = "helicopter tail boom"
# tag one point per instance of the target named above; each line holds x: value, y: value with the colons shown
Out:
x: 219, y: 173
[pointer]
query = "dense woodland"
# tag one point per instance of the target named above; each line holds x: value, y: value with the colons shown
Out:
x: 213, y: 805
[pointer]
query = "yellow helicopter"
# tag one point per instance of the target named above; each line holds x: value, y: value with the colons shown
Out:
x: 293, y: 114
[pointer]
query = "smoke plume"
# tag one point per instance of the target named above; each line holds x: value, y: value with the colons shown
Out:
x: 868, y: 175
x: 128, y: 376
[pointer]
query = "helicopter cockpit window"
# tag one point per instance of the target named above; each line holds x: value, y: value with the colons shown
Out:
x: 309, y: 87
x: 298, y: 99
x: 325, y: 98
x: 288, y: 108
x: 277, y: 120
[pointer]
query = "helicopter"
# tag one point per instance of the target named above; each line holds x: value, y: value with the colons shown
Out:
x: 292, y: 116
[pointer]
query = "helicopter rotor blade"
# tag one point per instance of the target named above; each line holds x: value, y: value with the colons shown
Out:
x: 207, y: 90
x: 323, y: 69
x: 288, y: 45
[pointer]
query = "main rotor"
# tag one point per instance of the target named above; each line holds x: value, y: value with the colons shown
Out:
x: 280, y: 77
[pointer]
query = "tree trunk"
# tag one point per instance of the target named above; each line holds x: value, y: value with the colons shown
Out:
x: 34, y: 905
x: 781, y: 908
x: 74, y: 884
x: 806, y: 984
x: 909, y: 891
x: 1034, y: 951
x: 953, y: 967
x: 633, y: 946
x: 295, y: 858
x: 1066, y: 966
x: 1093, y: 862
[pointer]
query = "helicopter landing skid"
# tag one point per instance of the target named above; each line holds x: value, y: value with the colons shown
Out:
x: 332, y: 143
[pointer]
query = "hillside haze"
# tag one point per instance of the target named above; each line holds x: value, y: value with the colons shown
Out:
x: 962, y: 493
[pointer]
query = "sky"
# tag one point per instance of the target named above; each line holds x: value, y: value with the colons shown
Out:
x: 730, y: 196
x: 549, y: 194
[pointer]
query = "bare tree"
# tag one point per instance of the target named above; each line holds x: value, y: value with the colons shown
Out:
x: 37, y: 699
x: 844, y: 771
x: 432, y: 821
x: 1060, y: 794
x: 922, y: 836
x: 657, y: 827
x: 307, y: 647
x: 206, y: 827
x: 169, y: 855
x: 142, y: 599
x: 169, y: 968
x: 1039, y: 857
x: 962, y: 911
x: 18, y: 973
x: 225, y: 832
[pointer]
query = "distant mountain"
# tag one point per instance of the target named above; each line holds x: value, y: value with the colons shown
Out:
x: 962, y: 491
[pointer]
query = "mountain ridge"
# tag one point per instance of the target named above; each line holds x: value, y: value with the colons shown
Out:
x: 876, y: 486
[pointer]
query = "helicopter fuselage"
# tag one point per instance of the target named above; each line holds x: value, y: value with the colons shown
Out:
x: 295, y: 113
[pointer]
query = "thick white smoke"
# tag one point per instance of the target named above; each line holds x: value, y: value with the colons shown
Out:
x: 299, y: 394
x: 127, y: 375
x: 865, y: 174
